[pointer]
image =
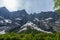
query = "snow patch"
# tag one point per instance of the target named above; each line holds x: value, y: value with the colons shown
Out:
x: 17, y: 23
x: 8, y: 21
x: 18, y: 19
x: 49, y: 18
x: 36, y: 19
x: 32, y: 26
x: 2, y: 32
x: 23, y: 29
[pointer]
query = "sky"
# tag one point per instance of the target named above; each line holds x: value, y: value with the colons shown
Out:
x: 30, y: 6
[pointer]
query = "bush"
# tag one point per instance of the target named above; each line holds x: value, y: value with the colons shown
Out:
x: 30, y: 36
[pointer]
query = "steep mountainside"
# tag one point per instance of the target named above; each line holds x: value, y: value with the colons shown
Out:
x: 20, y: 20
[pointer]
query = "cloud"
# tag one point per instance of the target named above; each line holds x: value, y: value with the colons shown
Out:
x: 37, y: 5
x: 1, y: 3
x: 32, y: 6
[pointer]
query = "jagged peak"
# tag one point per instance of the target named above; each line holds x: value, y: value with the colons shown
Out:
x: 4, y: 9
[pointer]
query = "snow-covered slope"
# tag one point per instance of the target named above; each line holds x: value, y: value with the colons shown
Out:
x: 32, y: 26
x: 2, y: 32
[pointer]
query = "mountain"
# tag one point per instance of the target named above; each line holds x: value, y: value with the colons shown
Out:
x: 20, y: 21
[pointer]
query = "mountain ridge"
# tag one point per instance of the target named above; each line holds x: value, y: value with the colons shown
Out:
x: 13, y: 21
